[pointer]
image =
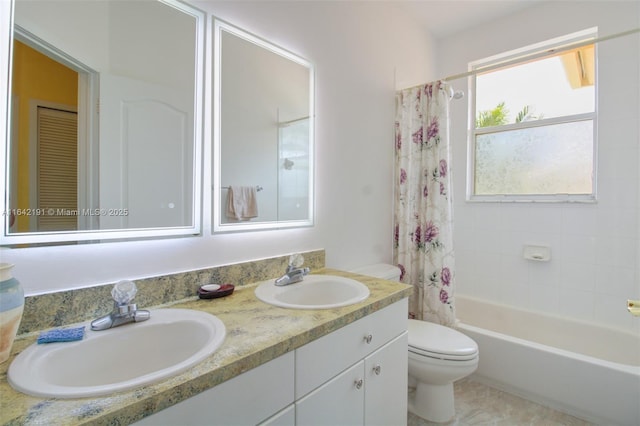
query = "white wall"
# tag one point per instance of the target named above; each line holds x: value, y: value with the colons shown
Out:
x: 362, y: 51
x: 595, y: 247
x: 57, y: 22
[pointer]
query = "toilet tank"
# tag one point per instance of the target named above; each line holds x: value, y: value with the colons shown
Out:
x: 384, y: 271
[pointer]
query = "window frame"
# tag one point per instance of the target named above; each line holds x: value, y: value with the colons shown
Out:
x: 523, y: 55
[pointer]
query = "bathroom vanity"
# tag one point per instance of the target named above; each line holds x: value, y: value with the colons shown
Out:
x: 343, y: 377
x: 276, y: 366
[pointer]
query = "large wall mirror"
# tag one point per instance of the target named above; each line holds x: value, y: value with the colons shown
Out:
x: 263, y: 134
x: 105, y: 120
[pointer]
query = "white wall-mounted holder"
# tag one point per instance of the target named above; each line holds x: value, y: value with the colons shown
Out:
x: 537, y: 253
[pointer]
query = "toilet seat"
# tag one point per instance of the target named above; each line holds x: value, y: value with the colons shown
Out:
x: 437, y: 341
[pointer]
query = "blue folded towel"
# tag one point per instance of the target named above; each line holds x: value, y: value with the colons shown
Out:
x: 61, y: 335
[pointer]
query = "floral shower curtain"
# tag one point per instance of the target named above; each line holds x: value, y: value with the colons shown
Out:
x: 423, y: 201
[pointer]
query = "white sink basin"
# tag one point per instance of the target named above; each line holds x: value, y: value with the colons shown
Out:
x: 118, y: 359
x: 314, y: 292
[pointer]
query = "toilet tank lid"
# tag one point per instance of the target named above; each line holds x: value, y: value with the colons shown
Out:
x: 384, y: 271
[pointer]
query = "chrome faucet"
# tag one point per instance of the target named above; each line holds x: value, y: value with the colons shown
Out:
x: 124, y: 311
x: 294, y: 271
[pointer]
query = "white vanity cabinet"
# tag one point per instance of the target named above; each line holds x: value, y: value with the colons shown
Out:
x: 248, y: 399
x: 371, y: 392
x: 356, y: 375
x: 286, y: 417
x: 386, y: 384
x: 340, y: 401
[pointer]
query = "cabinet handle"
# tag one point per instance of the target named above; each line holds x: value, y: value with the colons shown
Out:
x: 359, y: 383
x: 377, y: 369
x: 368, y: 338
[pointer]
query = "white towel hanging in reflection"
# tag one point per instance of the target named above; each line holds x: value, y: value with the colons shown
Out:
x: 242, y: 202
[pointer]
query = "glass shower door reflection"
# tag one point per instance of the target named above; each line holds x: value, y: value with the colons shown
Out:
x: 293, y: 170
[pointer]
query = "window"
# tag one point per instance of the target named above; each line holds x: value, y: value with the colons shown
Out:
x: 534, y: 123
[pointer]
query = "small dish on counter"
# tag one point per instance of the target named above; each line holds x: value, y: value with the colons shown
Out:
x: 214, y: 291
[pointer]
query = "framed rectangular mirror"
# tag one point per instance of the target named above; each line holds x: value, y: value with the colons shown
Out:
x: 104, y: 121
x: 263, y: 162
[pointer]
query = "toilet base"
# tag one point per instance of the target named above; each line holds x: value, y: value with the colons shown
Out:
x: 433, y: 402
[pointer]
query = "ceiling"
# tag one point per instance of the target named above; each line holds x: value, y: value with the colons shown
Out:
x: 446, y: 17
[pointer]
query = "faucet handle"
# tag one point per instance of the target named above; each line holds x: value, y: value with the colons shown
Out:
x: 296, y: 260
x: 123, y: 292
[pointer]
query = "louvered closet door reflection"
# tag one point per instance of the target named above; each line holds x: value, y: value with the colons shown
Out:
x: 57, y: 191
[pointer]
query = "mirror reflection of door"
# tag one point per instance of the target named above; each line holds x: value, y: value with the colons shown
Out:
x: 56, y: 172
x: 149, y: 151
x: 44, y: 193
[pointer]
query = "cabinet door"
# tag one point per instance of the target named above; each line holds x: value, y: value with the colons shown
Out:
x: 322, y: 359
x: 386, y: 384
x: 340, y: 401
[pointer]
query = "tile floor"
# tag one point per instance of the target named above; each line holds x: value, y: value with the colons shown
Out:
x: 478, y: 404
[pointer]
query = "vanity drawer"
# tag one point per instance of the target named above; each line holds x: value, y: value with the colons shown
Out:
x: 324, y: 358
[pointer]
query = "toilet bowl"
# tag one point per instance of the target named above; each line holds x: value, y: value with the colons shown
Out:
x: 438, y: 356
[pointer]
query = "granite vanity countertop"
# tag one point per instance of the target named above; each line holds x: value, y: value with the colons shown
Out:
x: 256, y: 333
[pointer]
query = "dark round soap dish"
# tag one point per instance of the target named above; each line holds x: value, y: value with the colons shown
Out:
x: 213, y: 291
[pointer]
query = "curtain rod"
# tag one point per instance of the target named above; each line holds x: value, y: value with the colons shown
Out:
x: 547, y: 52
x: 536, y: 55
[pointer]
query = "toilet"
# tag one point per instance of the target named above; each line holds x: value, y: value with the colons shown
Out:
x: 438, y: 356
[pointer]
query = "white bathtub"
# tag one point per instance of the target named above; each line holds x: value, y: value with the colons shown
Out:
x: 583, y: 369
